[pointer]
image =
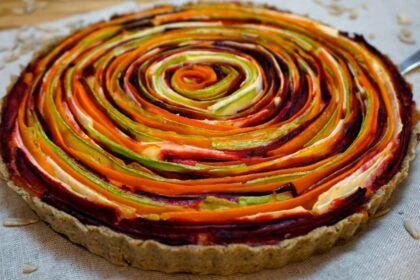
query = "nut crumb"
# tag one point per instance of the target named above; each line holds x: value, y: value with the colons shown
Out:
x: 28, y: 268
x: 382, y: 212
x: 412, y: 228
x: 365, y: 6
x: 18, y: 222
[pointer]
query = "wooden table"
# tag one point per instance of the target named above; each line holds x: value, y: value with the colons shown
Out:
x: 12, y: 13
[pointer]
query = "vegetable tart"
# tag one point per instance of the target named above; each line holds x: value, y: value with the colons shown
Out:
x: 208, y: 138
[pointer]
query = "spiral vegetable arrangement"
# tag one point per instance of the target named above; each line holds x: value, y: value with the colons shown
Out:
x: 207, y: 124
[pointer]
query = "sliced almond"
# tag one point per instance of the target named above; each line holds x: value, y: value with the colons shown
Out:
x: 353, y: 14
x: 335, y: 12
x: 371, y: 36
x: 406, y: 32
x: 10, y: 57
x: 412, y: 228
x: 72, y: 26
x: 403, y: 20
x: 47, y: 29
x: 319, y: 2
x: 41, y: 4
x: 28, y: 268
x: 28, y: 45
x: 406, y: 40
x: 405, y: 36
x: 29, y: 6
x: 19, y: 222
x: 18, y: 11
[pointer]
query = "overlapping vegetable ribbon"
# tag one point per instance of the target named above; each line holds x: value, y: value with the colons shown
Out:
x: 200, y: 123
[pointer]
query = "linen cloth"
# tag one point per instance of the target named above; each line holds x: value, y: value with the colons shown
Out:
x: 384, y: 250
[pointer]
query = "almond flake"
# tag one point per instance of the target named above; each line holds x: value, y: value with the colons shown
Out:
x: 47, y: 29
x: 382, y: 212
x: 406, y: 39
x: 10, y: 57
x: 41, y: 4
x: 29, y: 6
x: 335, y: 12
x: 403, y: 20
x: 18, y: 11
x: 319, y: 2
x: 73, y: 26
x: 406, y: 32
x: 28, y: 268
x: 412, y: 228
x: 28, y: 45
x: 18, y: 222
x: 371, y: 36
x: 353, y: 14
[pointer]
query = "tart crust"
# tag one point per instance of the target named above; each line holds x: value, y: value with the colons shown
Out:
x: 123, y: 250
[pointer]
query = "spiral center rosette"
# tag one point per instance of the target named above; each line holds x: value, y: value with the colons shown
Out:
x: 200, y: 123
